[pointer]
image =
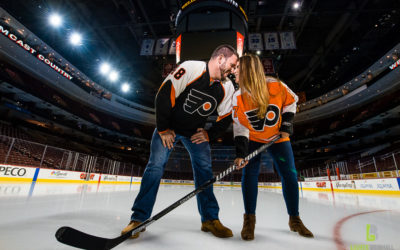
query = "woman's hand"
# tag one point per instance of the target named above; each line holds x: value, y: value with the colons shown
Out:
x: 240, y: 163
x: 284, y: 135
x: 200, y: 137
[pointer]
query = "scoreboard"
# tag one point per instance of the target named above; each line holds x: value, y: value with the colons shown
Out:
x: 203, y: 25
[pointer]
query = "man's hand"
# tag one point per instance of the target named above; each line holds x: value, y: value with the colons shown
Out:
x: 200, y: 137
x: 168, y: 138
x: 284, y: 135
x: 240, y: 163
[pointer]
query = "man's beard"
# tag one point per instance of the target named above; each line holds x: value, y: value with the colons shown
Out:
x: 222, y: 69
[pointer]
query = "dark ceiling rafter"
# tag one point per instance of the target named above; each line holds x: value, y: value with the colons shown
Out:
x: 258, y: 25
x: 285, y: 13
x: 131, y: 10
x: 146, y: 17
x: 298, y: 31
x: 251, y: 11
x: 304, y: 22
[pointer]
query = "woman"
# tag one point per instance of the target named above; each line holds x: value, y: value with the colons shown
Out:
x: 264, y: 107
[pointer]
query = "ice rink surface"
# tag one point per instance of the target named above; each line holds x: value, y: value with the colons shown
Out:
x: 30, y: 214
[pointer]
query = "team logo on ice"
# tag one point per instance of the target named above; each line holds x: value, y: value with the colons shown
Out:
x: 271, y: 118
x: 200, y: 102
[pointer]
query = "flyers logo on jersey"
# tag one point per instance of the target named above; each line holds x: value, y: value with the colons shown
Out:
x: 270, y: 120
x: 200, y: 102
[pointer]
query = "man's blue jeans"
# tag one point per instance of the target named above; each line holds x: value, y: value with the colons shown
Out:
x: 200, y: 155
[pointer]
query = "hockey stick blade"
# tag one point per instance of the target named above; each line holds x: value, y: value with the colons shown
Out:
x: 79, y: 239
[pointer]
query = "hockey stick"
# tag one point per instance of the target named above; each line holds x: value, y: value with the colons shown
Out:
x: 75, y: 238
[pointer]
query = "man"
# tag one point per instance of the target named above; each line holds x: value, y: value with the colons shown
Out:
x: 186, y: 98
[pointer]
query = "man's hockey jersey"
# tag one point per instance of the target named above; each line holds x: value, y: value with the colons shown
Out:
x: 279, y: 116
x: 188, y: 96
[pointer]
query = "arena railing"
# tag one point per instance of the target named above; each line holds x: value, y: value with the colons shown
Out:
x: 376, y: 166
x: 14, y: 151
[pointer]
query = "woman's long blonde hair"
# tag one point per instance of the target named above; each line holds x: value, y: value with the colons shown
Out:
x: 253, y: 81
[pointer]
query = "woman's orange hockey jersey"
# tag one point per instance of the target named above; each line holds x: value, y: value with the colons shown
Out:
x: 279, y: 115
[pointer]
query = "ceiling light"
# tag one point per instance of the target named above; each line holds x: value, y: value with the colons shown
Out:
x: 113, y: 76
x: 55, y: 20
x: 125, y: 87
x: 75, y: 39
x: 296, y: 5
x: 105, y: 68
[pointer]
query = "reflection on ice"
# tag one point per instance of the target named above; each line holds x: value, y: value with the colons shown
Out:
x: 35, y: 212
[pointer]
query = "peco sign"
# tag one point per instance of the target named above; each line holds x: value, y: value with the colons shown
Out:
x: 12, y: 171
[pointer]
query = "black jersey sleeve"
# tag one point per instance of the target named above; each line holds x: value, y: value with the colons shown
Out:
x: 164, y: 104
x: 242, y: 146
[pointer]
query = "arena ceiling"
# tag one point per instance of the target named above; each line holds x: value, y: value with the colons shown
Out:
x: 335, y: 39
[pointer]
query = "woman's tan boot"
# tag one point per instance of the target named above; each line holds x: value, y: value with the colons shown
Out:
x: 296, y: 225
x: 249, y: 223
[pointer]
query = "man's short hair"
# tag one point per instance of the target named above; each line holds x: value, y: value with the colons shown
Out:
x: 225, y: 50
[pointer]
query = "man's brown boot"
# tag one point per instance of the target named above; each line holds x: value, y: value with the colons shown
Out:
x: 249, y: 223
x: 216, y: 228
x: 296, y: 225
x: 131, y: 226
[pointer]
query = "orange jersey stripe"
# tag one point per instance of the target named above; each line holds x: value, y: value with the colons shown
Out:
x: 162, y: 132
x: 264, y: 141
x: 222, y: 117
x: 172, y: 96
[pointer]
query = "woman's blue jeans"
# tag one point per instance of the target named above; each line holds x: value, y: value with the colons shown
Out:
x: 282, y: 156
